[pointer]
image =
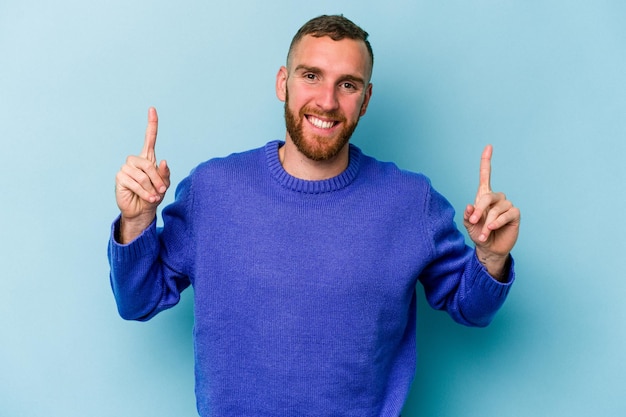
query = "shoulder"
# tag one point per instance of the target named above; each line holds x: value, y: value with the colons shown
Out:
x: 385, y: 180
x: 388, y: 174
x: 222, y: 173
x: 236, y: 169
x: 238, y: 161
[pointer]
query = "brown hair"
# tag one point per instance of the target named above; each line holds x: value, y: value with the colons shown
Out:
x: 336, y: 27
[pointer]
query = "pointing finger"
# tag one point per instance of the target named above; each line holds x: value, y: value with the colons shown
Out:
x: 151, y: 135
x: 484, y: 180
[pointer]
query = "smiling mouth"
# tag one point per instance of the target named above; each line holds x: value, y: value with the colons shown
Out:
x: 320, y: 123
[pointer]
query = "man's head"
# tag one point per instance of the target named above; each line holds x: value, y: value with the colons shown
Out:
x: 335, y: 27
x: 325, y: 85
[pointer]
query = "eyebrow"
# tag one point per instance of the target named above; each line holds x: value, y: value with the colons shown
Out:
x: 348, y: 77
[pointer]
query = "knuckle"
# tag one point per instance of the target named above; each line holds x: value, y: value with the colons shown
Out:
x: 143, y: 178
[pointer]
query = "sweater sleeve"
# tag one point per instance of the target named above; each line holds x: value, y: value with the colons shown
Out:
x: 455, y: 281
x: 143, y: 281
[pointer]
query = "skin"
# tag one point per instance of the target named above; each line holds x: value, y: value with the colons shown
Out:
x: 492, y: 222
x: 326, y: 89
x: 140, y: 185
x: 329, y: 81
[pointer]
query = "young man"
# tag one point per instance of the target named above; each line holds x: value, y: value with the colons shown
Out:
x: 304, y: 254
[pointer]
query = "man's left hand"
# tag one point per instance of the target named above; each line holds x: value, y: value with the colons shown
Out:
x: 492, y: 222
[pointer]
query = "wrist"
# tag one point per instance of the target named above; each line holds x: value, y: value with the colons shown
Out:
x: 496, y: 265
x: 131, y: 228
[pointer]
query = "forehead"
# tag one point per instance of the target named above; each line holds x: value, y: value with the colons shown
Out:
x: 345, y: 56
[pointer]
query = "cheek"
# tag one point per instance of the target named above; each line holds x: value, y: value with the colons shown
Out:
x: 292, y: 99
x: 353, y: 108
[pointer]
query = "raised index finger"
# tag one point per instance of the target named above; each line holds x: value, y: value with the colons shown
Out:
x: 151, y: 135
x: 484, y: 180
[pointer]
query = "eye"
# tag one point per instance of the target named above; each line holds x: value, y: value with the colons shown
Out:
x: 349, y: 86
x: 309, y: 76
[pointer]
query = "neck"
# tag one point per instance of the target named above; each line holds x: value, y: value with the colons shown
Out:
x: 298, y: 165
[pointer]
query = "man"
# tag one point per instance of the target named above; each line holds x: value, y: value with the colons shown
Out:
x: 304, y: 254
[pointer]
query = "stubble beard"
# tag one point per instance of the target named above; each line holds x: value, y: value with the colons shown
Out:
x: 316, y: 147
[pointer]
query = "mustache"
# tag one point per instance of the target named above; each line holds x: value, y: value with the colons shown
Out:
x: 330, y: 115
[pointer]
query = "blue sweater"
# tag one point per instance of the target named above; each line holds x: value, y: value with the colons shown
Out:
x: 304, y: 290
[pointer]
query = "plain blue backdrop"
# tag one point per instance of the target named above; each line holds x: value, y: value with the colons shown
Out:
x: 543, y: 81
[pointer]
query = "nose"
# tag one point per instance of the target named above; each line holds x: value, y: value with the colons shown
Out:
x: 327, y: 99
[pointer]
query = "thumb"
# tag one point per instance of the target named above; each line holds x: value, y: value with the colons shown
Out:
x: 164, y: 172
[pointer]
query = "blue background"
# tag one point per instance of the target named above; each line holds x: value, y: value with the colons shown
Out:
x: 543, y: 81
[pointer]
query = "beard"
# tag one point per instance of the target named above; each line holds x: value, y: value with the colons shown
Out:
x: 317, y: 147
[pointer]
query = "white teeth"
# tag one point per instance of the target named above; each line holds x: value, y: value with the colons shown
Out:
x: 321, y: 124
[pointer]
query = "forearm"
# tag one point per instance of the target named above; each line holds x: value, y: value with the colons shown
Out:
x: 128, y: 230
x: 497, y: 266
x: 468, y: 292
x: 141, y: 283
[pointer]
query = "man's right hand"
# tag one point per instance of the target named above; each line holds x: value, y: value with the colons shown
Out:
x: 140, y: 185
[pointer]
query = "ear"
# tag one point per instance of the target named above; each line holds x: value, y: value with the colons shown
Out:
x: 366, y: 100
x: 281, y: 83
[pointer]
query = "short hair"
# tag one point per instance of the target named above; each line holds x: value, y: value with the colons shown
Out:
x: 336, y: 27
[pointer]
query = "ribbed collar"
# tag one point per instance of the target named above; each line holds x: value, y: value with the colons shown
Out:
x: 306, y: 186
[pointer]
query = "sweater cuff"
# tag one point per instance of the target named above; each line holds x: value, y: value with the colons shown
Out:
x: 146, y: 244
x: 483, y: 279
